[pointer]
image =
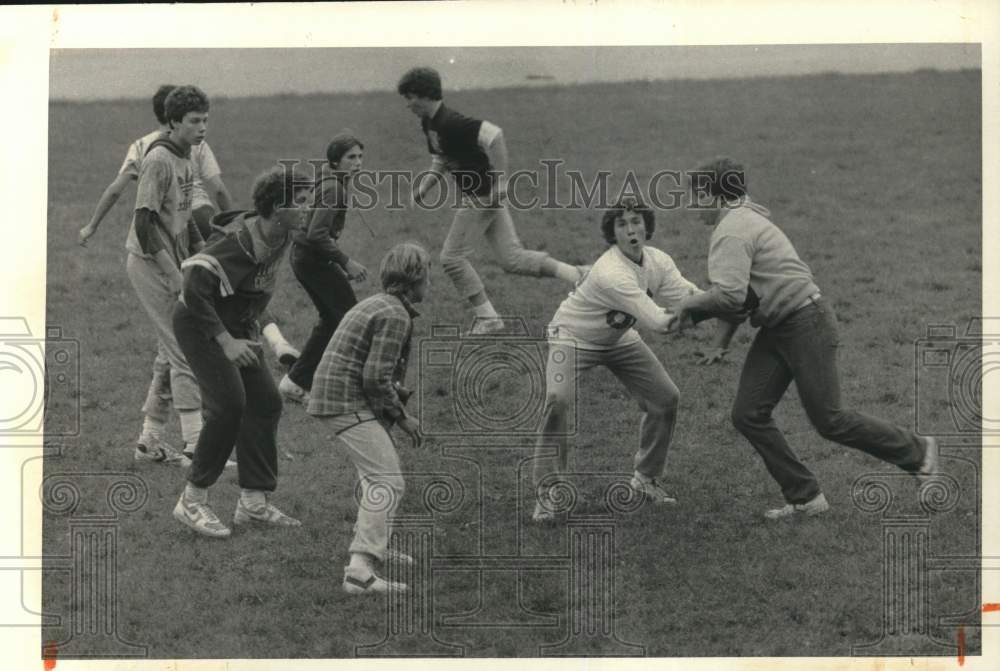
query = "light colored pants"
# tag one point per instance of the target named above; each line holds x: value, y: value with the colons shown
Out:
x: 498, y: 228
x: 159, y: 397
x: 158, y: 300
x: 644, y: 377
x: 370, y: 449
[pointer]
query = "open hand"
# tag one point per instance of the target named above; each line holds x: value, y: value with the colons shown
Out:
x: 411, y: 427
x: 711, y: 355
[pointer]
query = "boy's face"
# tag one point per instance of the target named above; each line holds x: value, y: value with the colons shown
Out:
x: 419, y: 291
x: 351, y: 161
x: 294, y: 216
x: 630, y: 234
x: 191, y: 129
x: 419, y: 106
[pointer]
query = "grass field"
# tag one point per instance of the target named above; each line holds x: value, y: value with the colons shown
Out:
x: 876, y: 179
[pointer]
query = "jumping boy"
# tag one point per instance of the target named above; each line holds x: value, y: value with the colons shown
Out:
x: 475, y: 152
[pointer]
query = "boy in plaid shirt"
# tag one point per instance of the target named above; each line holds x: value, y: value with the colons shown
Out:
x: 357, y: 391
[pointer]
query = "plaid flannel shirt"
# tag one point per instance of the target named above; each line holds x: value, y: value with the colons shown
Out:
x: 364, y: 360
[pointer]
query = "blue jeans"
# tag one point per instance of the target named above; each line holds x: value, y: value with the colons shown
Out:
x: 804, y: 348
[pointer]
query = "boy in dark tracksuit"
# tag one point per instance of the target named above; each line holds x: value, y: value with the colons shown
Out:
x: 217, y: 322
x: 320, y: 265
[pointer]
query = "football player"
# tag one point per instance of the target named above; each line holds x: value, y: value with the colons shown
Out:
x: 475, y: 153
x: 593, y: 326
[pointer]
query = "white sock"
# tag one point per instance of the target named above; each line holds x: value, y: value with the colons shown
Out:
x: 153, y: 427
x: 566, y: 272
x: 272, y: 334
x: 485, y: 310
x: 253, y: 498
x: 190, y: 426
x: 361, y: 560
x: 195, y: 494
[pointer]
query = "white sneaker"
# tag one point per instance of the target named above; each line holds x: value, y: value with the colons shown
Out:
x: 487, y: 326
x: 398, y: 557
x: 266, y: 514
x: 543, y: 514
x: 932, y: 455
x: 151, y: 448
x: 808, y: 509
x: 364, y: 581
x: 287, y: 355
x: 651, y: 489
x: 292, y: 391
x: 200, y: 517
x: 189, y: 453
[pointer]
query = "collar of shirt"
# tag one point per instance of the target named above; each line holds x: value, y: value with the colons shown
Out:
x: 435, y: 115
x: 743, y: 201
x: 629, y: 261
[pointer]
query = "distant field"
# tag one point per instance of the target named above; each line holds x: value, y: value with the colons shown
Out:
x: 876, y: 179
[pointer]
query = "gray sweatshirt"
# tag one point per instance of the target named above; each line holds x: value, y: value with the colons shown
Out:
x: 747, y: 250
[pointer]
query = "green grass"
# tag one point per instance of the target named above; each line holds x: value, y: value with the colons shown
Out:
x: 876, y: 179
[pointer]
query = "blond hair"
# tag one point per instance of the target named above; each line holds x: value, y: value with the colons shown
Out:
x: 403, y: 266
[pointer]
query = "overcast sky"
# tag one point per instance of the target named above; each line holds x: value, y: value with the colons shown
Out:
x: 93, y: 74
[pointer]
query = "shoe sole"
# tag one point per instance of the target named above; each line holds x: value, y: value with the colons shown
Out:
x: 356, y: 590
x: 932, y: 445
x: 797, y: 514
x: 183, y: 519
x: 241, y: 518
x: 183, y: 463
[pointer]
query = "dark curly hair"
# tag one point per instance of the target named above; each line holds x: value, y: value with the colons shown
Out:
x: 621, y: 207
x: 422, y: 82
x: 722, y: 177
x: 158, y: 99
x: 276, y: 188
x: 184, y: 99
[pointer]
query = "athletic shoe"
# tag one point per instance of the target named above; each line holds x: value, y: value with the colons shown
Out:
x: 929, y: 466
x: 363, y: 581
x: 487, y: 326
x: 808, y: 509
x: 200, y: 517
x: 189, y: 453
x: 287, y: 355
x: 651, y: 489
x: 542, y: 514
x: 398, y: 557
x: 266, y: 514
x: 151, y: 448
x: 292, y: 391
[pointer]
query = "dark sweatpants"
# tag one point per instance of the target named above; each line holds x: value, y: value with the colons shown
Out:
x: 240, y: 406
x: 332, y: 294
x: 803, y: 348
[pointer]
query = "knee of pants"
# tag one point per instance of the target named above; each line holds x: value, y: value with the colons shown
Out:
x: 745, y: 419
x: 832, y: 426
x: 384, y: 491
x: 228, y: 410
x: 664, y: 404
x: 452, y: 263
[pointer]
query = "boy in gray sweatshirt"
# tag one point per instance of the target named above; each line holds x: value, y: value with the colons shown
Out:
x: 753, y: 266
